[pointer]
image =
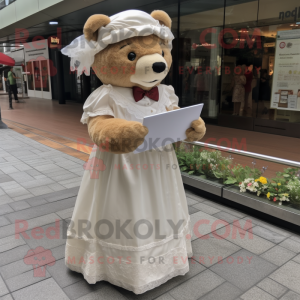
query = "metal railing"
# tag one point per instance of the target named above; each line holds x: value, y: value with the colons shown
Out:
x: 249, y: 154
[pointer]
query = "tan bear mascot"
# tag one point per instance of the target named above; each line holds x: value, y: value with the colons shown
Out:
x: 130, y: 224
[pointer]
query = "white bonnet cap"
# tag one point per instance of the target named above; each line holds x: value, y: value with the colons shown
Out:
x: 124, y: 25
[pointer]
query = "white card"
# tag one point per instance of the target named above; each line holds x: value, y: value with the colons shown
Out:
x: 168, y: 127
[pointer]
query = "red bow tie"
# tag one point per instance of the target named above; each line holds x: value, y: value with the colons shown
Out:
x: 139, y: 93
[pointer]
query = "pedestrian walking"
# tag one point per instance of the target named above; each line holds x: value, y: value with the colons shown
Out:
x: 13, y: 85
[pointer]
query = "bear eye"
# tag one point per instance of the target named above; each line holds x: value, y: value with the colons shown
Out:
x: 131, y: 56
x: 163, y: 54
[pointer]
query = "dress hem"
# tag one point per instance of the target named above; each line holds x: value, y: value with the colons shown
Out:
x: 134, y: 289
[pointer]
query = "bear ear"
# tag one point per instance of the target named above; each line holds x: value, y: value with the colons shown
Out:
x: 162, y: 17
x: 92, y: 25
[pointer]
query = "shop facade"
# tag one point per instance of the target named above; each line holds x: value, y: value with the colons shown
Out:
x: 216, y: 42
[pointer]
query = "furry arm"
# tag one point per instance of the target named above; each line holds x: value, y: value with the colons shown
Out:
x: 116, y: 135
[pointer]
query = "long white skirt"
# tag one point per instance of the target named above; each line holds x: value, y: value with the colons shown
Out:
x: 130, y: 224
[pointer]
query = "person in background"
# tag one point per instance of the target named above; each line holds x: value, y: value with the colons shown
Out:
x: 12, y: 85
x: 8, y: 90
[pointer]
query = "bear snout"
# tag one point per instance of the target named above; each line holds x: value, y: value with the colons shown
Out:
x: 158, y: 67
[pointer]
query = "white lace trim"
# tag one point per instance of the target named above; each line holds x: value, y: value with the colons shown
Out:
x: 186, y: 229
x: 136, y: 277
x: 135, y: 289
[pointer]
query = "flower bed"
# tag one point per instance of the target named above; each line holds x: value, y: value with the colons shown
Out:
x: 212, y: 164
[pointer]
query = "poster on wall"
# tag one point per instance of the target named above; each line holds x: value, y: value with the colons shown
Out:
x: 286, y: 76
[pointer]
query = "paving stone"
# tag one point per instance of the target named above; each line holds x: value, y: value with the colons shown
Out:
x: 269, y: 226
x: 41, y: 190
x: 64, y: 194
x: 290, y: 296
x: 209, y: 249
x: 7, y: 297
x: 40, y: 210
x: 18, y: 267
x: 202, y: 224
x: 165, y: 296
x: 206, y: 208
x: 73, y: 184
x: 192, y: 210
x: 107, y: 292
x: 24, y: 197
x: 33, y: 172
x: 53, y: 235
x: 244, y: 270
x: 8, y: 170
x: 63, y: 177
x: 48, y: 288
x: 225, y: 291
x: 297, y: 258
x: 221, y: 207
x: 3, y: 221
x: 245, y: 239
x: 288, y: 275
x: 272, y: 287
x: 9, y: 185
x: 195, y: 268
x: 278, y: 255
x: 5, y: 209
x: 296, y: 238
x: 267, y: 234
x: 3, y: 288
x: 5, y: 199
x: 20, y: 191
x: 56, y: 187
x: 62, y: 275
x: 257, y: 293
x: 5, y: 178
x: 194, y: 196
x: 21, y: 176
x: 13, y: 255
x: 66, y: 213
x: 10, y: 242
x: 197, y: 286
x: 23, y: 167
x: 35, y: 201
x: 25, y: 279
x: 291, y: 245
x: 222, y: 215
x: 191, y: 201
x: 36, y: 183
x: 26, y: 224
x: 19, y: 205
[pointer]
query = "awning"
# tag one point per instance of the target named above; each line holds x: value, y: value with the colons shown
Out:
x: 6, y: 60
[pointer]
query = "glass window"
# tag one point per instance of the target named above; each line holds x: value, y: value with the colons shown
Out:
x: 30, y: 75
x: 200, y: 54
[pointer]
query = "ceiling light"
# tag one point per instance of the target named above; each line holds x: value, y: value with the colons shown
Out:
x: 53, y: 22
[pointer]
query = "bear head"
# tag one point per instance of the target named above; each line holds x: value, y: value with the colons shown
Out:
x: 142, y: 61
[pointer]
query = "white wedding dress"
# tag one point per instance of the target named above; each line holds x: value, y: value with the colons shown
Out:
x: 132, y: 205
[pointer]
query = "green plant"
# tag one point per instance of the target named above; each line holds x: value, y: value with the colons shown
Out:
x: 239, y: 173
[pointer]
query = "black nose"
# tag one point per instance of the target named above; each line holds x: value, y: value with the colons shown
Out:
x: 159, y: 67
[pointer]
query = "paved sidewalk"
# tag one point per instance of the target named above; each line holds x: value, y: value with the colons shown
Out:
x: 28, y: 169
x: 226, y: 266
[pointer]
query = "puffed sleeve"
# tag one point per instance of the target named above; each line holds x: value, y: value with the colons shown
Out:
x: 99, y: 103
x: 173, y: 99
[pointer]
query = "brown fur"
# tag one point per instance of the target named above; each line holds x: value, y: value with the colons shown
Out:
x: 92, y: 25
x: 116, y: 135
x: 162, y: 17
x: 112, y: 66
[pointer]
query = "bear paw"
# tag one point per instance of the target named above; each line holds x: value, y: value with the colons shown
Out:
x: 196, y: 132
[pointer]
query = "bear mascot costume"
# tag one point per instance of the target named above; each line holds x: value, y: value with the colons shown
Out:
x: 130, y: 224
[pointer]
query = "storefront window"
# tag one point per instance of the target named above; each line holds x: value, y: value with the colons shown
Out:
x: 200, y: 55
x: 30, y: 75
